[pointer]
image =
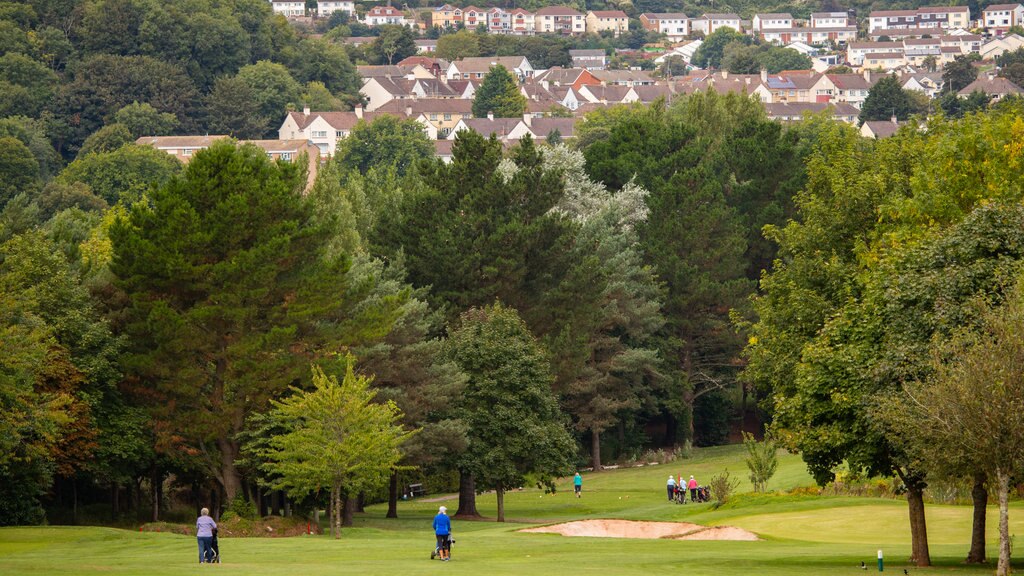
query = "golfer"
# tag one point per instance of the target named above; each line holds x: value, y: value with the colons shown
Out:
x: 672, y: 487
x: 693, y: 488
x: 204, y: 534
x: 577, y: 484
x: 443, y: 532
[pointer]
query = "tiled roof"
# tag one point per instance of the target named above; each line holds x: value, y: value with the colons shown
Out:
x: 609, y: 13
x: 544, y: 126
x: 485, y: 63
x: 179, y: 141
x: 1002, y: 7
x: 882, y: 128
x: 557, y: 11
x: 995, y: 85
x: 428, y: 106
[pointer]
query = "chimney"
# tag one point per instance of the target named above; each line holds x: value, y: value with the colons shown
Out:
x: 764, y: 75
x: 490, y: 115
x: 867, y: 75
x: 359, y: 111
x: 305, y: 110
x: 528, y: 119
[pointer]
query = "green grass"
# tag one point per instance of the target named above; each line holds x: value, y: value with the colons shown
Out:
x: 803, y: 535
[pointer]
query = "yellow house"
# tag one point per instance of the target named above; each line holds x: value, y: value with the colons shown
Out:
x: 601, y: 20
x: 446, y: 16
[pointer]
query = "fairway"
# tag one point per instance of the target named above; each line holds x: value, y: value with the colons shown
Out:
x: 802, y: 535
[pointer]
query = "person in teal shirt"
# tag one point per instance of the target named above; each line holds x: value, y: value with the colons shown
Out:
x: 577, y: 484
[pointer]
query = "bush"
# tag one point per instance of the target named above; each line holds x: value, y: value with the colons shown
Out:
x: 761, y: 460
x: 722, y: 487
x: 241, y: 508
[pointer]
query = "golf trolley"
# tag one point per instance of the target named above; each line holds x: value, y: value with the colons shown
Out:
x: 437, y: 549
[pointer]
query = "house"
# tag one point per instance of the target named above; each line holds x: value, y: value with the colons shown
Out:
x: 446, y: 16
x: 708, y: 23
x: 288, y: 8
x: 623, y: 77
x: 442, y: 114
x: 674, y: 25
x: 998, y: 18
x: 184, y: 147
x: 850, y: 89
x: 572, y: 77
x: 473, y: 17
x: 379, y: 15
x: 997, y: 88
x: 425, y: 45
x: 499, y: 21
x: 589, y: 59
x: 815, y: 36
x: 928, y: 83
x: 927, y: 17
x: 794, y: 86
x: 559, y: 20
x: 967, y: 43
x: 796, y: 111
x: 476, y: 68
x: 777, y: 21
x: 998, y: 46
x: 857, y: 51
x: 685, y: 51
x: 608, y: 94
x: 831, y: 20
x: 504, y: 128
x: 879, y: 129
x: 884, y: 61
x: 436, y: 66
x: 379, y: 91
x: 325, y: 8
x: 324, y: 129
x: 614, y: 21
x: 523, y: 22
x: 543, y: 127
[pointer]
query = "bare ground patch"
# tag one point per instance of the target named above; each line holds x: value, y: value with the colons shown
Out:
x: 637, y: 529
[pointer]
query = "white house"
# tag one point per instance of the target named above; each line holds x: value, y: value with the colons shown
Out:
x: 830, y: 20
x: 708, y: 23
x: 288, y: 8
x: 998, y: 18
x: 379, y: 15
x: 476, y: 68
x: 328, y: 7
x: 674, y: 25
x: 559, y: 20
x: 777, y: 21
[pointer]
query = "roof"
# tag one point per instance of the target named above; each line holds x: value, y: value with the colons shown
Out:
x: 279, y: 145
x: 557, y: 75
x: 884, y: 13
x: 380, y: 71
x: 557, y: 11
x: 544, y: 126
x: 665, y: 16
x: 485, y: 63
x: 587, y: 53
x: 180, y: 141
x: 648, y: 94
x: 882, y: 128
x: 878, y: 45
x: 800, y: 108
x: 336, y: 120
x: 727, y: 16
x: 995, y: 85
x: 851, y: 81
x: 1002, y: 7
x: 614, y: 76
x: 830, y: 15
x: 942, y: 9
x: 774, y: 15
x: 609, y: 13
x: 885, y: 55
x: 487, y: 126
x: 428, y: 106
x: 922, y: 42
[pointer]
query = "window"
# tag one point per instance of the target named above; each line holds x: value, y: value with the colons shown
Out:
x: 186, y: 152
x: 433, y: 116
x: 447, y: 116
x: 339, y: 134
x: 319, y: 134
x: 286, y: 156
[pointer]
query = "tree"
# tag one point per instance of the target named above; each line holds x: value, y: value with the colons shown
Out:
x: 336, y: 436
x: 462, y: 44
x: 231, y: 292
x: 514, y: 425
x: 971, y: 404
x: 26, y: 86
x: 127, y: 172
x: 18, y: 169
x: 959, y: 73
x: 106, y: 139
x: 394, y: 44
x: 232, y: 109
x: 317, y: 60
x: 710, y: 53
x: 273, y: 89
x: 887, y: 99
x: 144, y: 120
x: 741, y: 58
x: 762, y: 460
x: 387, y: 141
x: 775, y: 59
x: 317, y: 97
x: 499, y: 95
x: 32, y: 133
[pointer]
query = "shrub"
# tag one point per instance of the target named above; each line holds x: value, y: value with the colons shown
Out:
x: 761, y: 460
x: 722, y: 487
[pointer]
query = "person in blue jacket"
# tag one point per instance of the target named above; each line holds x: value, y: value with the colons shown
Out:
x: 443, y: 532
x: 577, y: 484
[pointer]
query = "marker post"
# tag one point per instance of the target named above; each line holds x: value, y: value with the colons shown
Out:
x: 881, y: 565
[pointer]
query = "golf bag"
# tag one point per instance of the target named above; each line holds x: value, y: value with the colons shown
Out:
x: 437, y: 549
x: 214, y: 555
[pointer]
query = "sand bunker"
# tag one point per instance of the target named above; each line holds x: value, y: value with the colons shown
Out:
x: 634, y: 529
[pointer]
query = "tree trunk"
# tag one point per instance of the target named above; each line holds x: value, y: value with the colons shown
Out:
x: 467, y: 496
x: 287, y: 506
x: 361, y: 503
x: 275, y: 503
x: 393, y: 496
x: 115, y: 499
x: 979, y: 495
x: 348, y: 511
x: 333, y: 512
x: 595, y: 449
x: 230, y: 477
x: 918, y: 529
x: 74, y: 500
x: 500, y: 491
x: 154, y: 490
x: 1003, y: 480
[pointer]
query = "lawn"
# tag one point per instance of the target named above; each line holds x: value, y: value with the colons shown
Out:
x: 802, y: 535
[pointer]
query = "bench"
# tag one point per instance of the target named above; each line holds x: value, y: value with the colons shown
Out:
x: 416, y: 490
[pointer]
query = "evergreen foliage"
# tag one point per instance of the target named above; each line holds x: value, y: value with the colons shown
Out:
x: 499, y: 95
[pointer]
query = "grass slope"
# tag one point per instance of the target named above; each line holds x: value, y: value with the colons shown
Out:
x: 803, y: 535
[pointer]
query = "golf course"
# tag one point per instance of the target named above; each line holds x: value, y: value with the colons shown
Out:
x: 800, y: 534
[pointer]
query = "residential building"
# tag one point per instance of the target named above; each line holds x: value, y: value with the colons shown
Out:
x: 288, y: 8
x: 573, y: 77
x: 614, y: 21
x: 446, y: 16
x: 478, y: 67
x: 709, y: 23
x: 379, y: 15
x: 810, y: 36
x: 559, y: 20
x: 504, y: 128
x: 998, y: 18
x: 777, y: 21
x: 795, y: 111
x: 327, y: 7
x: 941, y: 17
x: 589, y: 59
x: 856, y: 51
x: 850, y: 89
x: 607, y: 95
x: 425, y: 45
x: 831, y: 20
x: 183, y: 148
x: 885, y: 61
x: 997, y: 88
x: 623, y: 77
x: 998, y: 46
x: 523, y: 22
x: 441, y: 113
x: 379, y: 91
x: 473, y: 17
x: 674, y: 25
x: 878, y: 129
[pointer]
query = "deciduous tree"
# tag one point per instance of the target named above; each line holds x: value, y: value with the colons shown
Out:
x: 499, y: 95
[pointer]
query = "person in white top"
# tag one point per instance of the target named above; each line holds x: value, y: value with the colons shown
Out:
x: 671, y: 487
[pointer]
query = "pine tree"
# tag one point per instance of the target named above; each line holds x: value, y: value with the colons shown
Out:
x: 499, y: 95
